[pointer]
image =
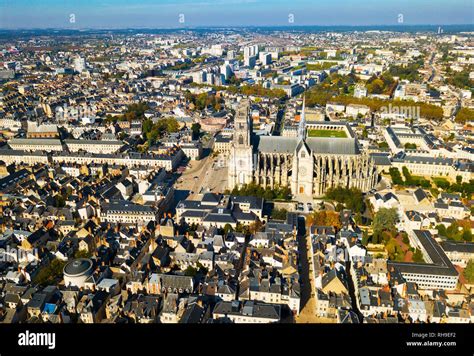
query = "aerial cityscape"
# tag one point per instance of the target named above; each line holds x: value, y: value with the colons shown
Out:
x: 236, y: 174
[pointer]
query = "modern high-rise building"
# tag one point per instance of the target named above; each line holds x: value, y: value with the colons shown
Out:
x: 251, y: 51
x: 250, y: 61
x: 265, y: 58
x: 199, y: 77
x: 226, y: 70
x: 79, y: 64
x: 231, y: 54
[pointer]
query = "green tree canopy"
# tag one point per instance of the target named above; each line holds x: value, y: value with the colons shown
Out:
x: 469, y: 272
x: 352, y: 198
x: 385, y: 219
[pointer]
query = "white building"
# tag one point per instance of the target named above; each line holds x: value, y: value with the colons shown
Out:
x: 94, y: 146
x: 436, y: 273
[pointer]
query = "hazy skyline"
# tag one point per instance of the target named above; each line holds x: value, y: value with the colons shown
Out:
x: 166, y: 13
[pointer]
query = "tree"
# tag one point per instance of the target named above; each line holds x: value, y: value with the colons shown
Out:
x: 418, y: 256
x: 279, y: 214
x: 395, y: 252
x: 152, y: 136
x: 196, y: 130
x: 252, y: 189
x: 469, y: 272
x: 461, y: 79
x: 464, y: 115
x: 147, y: 125
x: 441, y: 183
x: 190, y: 271
x: 167, y: 125
x: 405, y: 238
x: 385, y: 219
x: 365, y: 133
x: 375, y: 87
x: 154, y: 131
x: 227, y: 228
x: 204, y: 100
x: 441, y: 229
x: 407, y: 175
x: 396, y: 176
x: 377, y: 237
x: 409, y: 72
x: 458, y: 230
x: 268, y: 195
x: 324, y: 218
x: 134, y: 111
x: 59, y: 201
x: 467, y: 235
x: 255, y: 226
x: 365, y: 238
x: 352, y: 198
x: 82, y: 254
x: 51, y: 273
x: 239, y: 228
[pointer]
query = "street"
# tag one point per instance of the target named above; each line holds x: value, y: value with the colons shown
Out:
x: 206, y: 173
x: 308, y: 301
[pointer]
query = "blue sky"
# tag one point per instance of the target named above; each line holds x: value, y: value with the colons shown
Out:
x: 165, y: 13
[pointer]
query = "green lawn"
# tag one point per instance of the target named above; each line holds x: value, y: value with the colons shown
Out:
x: 320, y: 66
x: 326, y: 133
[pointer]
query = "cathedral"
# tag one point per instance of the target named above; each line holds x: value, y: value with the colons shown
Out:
x: 323, y: 155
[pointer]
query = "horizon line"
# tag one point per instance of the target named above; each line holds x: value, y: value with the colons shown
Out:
x: 228, y: 26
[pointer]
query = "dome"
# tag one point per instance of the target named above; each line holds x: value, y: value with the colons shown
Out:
x: 78, y: 267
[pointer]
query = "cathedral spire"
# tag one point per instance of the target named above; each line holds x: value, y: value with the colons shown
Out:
x: 302, y: 123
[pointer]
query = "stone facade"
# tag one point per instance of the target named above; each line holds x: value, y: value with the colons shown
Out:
x: 241, y: 153
x: 308, y: 165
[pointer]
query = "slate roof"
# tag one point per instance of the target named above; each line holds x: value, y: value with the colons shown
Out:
x: 175, y: 281
x: 278, y: 144
x: 211, y: 198
x: 249, y: 308
x: 441, y: 264
x: 420, y: 194
x: 381, y: 159
x: 452, y: 246
x: 325, y: 145
x: 193, y: 314
x: 329, y: 145
x: 118, y: 206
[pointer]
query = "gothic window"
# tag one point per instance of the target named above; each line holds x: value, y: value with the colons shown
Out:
x: 301, y: 190
x: 241, y: 140
x: 303, y: 154
x: 242, y: 178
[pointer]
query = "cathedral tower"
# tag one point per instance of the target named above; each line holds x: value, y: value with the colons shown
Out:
x: 241, y: 155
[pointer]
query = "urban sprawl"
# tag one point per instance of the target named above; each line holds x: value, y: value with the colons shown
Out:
x: 237, y: 176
